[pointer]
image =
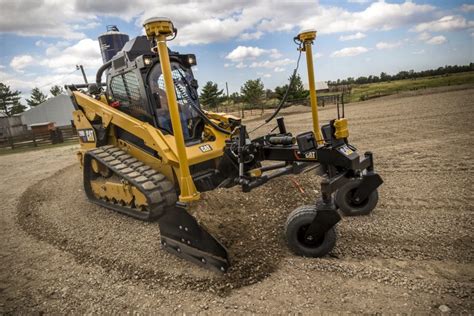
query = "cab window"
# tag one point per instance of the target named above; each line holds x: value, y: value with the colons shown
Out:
x: 188, y: 115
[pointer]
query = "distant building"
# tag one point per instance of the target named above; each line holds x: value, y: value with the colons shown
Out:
x: 57, y: 110
x: 321, y: 86
x: 10, y: 126
x: 40, y: 128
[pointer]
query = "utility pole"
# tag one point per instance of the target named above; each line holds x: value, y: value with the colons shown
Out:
x: 83, y: 73
x: 227, y: 90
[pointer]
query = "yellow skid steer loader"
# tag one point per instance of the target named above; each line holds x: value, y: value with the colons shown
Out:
x: 148, y: 149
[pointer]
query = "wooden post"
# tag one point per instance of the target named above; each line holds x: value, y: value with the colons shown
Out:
x: 12, y: 144
x: 34, y: 140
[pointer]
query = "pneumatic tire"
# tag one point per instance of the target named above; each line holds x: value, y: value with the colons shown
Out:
x: 344, y: 199
x: 295, y: 228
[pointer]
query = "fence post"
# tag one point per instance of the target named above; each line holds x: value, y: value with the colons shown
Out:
x: 12, y: 144
x: 34, y: 140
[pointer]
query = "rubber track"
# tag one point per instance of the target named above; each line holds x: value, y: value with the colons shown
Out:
x: 159, y: 191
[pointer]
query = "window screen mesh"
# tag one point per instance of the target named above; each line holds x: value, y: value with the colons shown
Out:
x: 177, y: 74
x: 125, y: 88
x: 131, y: 84
x: 118, y: 89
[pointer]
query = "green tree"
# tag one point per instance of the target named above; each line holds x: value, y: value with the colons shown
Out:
x: 252, y: 91
x: 56, y: 90
x: 37, y: 97
x: 10, y: 101
x: 211, y: 96
x: 296, y: 92
x: 235, y: 97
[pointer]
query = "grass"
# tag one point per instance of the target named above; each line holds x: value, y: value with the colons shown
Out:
x: 8, y: 150
x: 372, y: 90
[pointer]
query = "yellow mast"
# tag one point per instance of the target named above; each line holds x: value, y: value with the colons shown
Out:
x: 307, y: 37
x: 159, y: 29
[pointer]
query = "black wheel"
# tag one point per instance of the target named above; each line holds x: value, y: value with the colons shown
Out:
x: 347, y: 203
x: 295, y: 230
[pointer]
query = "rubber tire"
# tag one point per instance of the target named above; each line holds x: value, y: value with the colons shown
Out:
x: 299, y: 218
x: 343, y: 202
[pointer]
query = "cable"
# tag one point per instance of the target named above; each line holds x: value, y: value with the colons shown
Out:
x: 285, y: 96
x: 50, y: 83
x: 196, y: 107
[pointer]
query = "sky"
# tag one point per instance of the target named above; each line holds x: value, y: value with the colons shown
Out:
x: 42, y: 41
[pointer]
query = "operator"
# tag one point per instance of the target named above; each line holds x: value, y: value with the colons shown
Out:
x: 163, y: 112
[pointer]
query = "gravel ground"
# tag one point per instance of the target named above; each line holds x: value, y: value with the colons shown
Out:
x: 414, y: 253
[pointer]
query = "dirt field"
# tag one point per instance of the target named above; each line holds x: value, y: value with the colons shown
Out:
x: 59, y: 253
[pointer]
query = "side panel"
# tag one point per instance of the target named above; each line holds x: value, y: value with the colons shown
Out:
x: 87, y: 135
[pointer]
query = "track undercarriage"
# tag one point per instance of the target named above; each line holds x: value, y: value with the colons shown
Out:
x: 118, y: 181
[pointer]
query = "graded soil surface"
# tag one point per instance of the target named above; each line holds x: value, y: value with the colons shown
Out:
x: 59, y: 253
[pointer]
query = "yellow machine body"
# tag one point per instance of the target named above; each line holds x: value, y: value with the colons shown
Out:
x: 154, y: 138
x: 148, y: 149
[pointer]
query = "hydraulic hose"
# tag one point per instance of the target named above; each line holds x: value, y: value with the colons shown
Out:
x: 100, y: 71
x: 196, y: 107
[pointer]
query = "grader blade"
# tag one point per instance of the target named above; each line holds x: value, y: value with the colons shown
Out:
x: 182, y: 236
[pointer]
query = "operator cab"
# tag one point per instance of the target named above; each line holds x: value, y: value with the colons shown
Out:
x: 135, y: 85
x: 186, y: 97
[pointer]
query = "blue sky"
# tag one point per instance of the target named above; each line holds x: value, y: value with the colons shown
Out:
x: 42, y: 41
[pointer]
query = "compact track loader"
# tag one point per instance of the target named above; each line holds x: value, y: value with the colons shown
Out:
x: 148, y: 150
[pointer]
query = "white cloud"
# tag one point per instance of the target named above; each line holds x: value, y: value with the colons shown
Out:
x: 388, y: 45
x: 472, y: 34
x: 251, y: 36
x: 418, y: 52
x: 275, y: 53
x: 436, y: 40
x: 227, y: 65
x: 202, y: 22
x: 266, y: 75
x: 350, y: 51
x: 317, y: 55
x: 279, y: 69
x: 350, y: 37
x: 446, y: 23
x: 272, y: 64
x: 44, y: 82
x: 432, y: 40
x: 211, y: 21
x: 2, y: 67
x: 242, y: 53
x: 358, y: 1
x: 18, y: 63
x: 424, y: 36
x: 86, y: 52
x: 241, y: 65
x: 245, y: 52
x: 379, y: 15
x: 467, y: 8
x: 41, y: 43
x: 53, y: 18
x: 87, y: 26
